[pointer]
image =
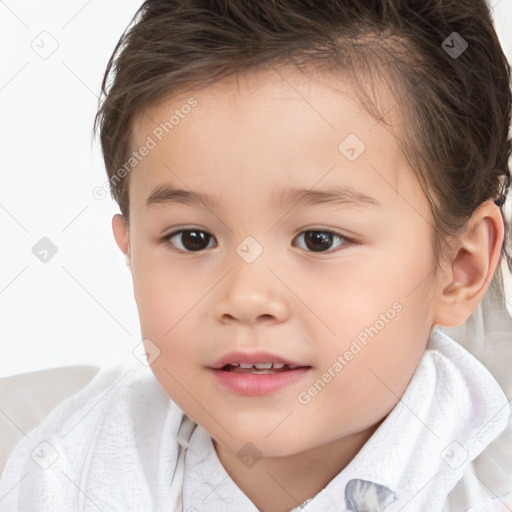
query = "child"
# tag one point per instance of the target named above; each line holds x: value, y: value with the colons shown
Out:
x: 309, y: 192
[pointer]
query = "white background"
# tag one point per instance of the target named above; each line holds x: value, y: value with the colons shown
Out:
x: 78, y: 308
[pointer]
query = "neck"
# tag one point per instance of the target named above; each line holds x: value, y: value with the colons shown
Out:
x: 278, y: 484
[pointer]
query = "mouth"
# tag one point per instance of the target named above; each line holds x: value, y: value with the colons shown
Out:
x: 257, y: 373
x: 255, y: 362
x: 260, y: 368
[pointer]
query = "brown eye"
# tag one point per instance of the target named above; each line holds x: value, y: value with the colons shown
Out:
x: 321, y: 240
x: 189, y: 240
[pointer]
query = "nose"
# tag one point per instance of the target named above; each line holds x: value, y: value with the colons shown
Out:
x: 251, y: 293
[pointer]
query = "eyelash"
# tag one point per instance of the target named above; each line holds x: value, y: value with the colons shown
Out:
x: 167, y: 239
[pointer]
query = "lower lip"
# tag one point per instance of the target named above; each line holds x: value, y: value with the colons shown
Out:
x: 252, y: 384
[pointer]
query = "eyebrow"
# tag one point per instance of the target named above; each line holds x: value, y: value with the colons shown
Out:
x: 340, y: 195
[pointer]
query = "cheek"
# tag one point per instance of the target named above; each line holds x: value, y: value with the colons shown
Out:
x: 374, y: 375
x: 163, y: 294
x: 380, y: 335
x: 167, y: 318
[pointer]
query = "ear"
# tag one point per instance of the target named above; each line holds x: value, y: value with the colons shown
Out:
x: 122, y: 237
x: 471, y: 268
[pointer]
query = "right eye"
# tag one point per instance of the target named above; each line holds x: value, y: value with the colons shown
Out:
x: 191, y: 240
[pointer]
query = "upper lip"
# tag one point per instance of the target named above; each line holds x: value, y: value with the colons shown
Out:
x: 252, y: 357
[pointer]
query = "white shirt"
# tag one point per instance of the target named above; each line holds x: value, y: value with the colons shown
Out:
x: 114, y: 447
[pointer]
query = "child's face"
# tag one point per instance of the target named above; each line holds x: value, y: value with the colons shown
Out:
x: 261, y: 280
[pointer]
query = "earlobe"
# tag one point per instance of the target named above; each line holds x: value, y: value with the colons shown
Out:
x: 122, y: 236
x: 472, y: 267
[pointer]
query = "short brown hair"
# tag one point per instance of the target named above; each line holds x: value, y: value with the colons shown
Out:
x: 456, y: 107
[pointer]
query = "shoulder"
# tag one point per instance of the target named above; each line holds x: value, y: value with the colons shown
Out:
x: 114, y: 394
x: 115, y: 421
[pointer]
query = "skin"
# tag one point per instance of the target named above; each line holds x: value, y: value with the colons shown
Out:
x: 241, y: 144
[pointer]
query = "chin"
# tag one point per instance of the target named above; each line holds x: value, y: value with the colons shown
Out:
x: 256, y: 443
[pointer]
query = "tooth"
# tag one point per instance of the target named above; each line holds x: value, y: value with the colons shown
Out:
x: 246, y: 365
x: 263, y: 366
x: 233, y: 364
x: 278, y: 365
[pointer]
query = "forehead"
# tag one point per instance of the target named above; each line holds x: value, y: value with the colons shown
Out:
x: 284, y: 88
x: 277, y: 125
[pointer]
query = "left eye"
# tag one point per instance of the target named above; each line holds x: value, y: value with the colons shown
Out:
x: 195, y: 240
x: 320, y: 240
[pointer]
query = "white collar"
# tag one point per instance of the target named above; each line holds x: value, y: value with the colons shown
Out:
x: 452, y: 409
